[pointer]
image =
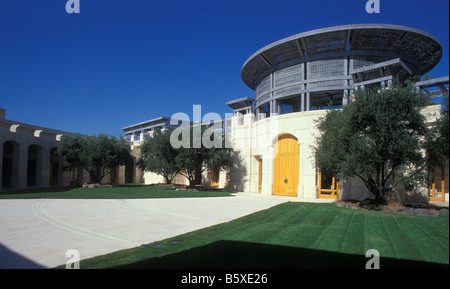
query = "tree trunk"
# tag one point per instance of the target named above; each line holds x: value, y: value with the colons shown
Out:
x: 191, y: 182
x: 377, y: 190
x: 168, y: 180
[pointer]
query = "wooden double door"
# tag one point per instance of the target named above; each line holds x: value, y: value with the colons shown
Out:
x: 286, y: 166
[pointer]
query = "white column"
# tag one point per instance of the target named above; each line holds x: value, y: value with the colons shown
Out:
x: 267, y: 183
x: 19, y: 167
x: 39, y: 166
x: 345, y: 98
x: 308, y: 101
x: 300, y: 188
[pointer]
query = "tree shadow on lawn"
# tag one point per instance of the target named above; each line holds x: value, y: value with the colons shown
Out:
x: 130, y: 186
x: 38, y: 190
x: 245, y: 255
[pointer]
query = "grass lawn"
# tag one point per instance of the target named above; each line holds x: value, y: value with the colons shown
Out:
x: 297, y: 235
x: 131, y: 191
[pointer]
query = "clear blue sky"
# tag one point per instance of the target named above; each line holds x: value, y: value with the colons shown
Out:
x: 120, y: 62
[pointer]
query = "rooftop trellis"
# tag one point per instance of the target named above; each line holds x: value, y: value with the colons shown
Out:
x: 419, y: 49
x: 434, y: 87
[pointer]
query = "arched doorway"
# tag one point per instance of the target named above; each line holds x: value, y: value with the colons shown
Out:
x: 9, y: 162
x: 286, y: 166
x: 130, y: 170
x: 214, y: 176
x: 54, y: 167
x: 34, y: 166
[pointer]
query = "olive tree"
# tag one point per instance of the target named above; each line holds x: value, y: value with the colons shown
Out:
x: 98, y: 155
x: 380, y: 137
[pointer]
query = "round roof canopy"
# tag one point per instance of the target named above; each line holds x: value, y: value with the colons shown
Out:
x: 415, y: 46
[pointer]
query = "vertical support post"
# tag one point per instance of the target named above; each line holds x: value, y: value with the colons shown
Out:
x: 19, y: 167
x: 320, y: 183
x: 308, y: 101
x: 345, y: 99
x: 302, y: 101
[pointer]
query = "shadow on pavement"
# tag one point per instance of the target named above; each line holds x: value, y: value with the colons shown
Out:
x: 12, y: 260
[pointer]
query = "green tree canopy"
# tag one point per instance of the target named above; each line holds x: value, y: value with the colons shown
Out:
x: 197, y: 157
x: 160, y: 153
x: 379, y: 137
x: 158, y: 156
x: 438, y: 142
x: 98, y: 155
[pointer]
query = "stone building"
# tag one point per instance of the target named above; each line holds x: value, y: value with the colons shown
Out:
x: 29, y: 158
x: 296, y: 80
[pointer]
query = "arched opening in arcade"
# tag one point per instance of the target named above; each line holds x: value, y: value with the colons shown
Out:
x: 130, y: 170
x: 9, y: 163
x: 54, y: 167
x: 34, y: 166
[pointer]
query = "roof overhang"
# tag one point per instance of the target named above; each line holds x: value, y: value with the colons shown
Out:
x: 241, y: 103
x: 408, y: 43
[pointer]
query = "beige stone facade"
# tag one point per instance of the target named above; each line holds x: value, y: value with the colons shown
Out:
x: 29, y: 159
x: 255, y: 141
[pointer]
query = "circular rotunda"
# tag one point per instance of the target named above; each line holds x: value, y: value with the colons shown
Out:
x: 319, y: 69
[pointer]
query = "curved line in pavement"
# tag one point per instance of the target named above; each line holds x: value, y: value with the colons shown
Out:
x: 37, y: 210
x: 159, y: 210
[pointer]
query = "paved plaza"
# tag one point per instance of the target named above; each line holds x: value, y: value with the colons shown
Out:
x: 38, y: 233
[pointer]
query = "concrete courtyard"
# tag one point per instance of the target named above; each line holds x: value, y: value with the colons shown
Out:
x: 38, y: 233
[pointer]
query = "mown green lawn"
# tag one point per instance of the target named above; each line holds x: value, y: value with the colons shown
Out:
x: 297, y: 235
x: 131, y: 191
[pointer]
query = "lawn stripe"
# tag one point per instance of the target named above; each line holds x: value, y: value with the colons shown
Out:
x: 366, y: 232
x: 344, y: 237
x: 441, y: 230
x: 319, y: 243
x: 413, y: 245
x: 376, y: 236
x: 336, y: 233
x: 388, y: 234
x: 429, y: 243
x: 354, y: 235
x: 293, y: 233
